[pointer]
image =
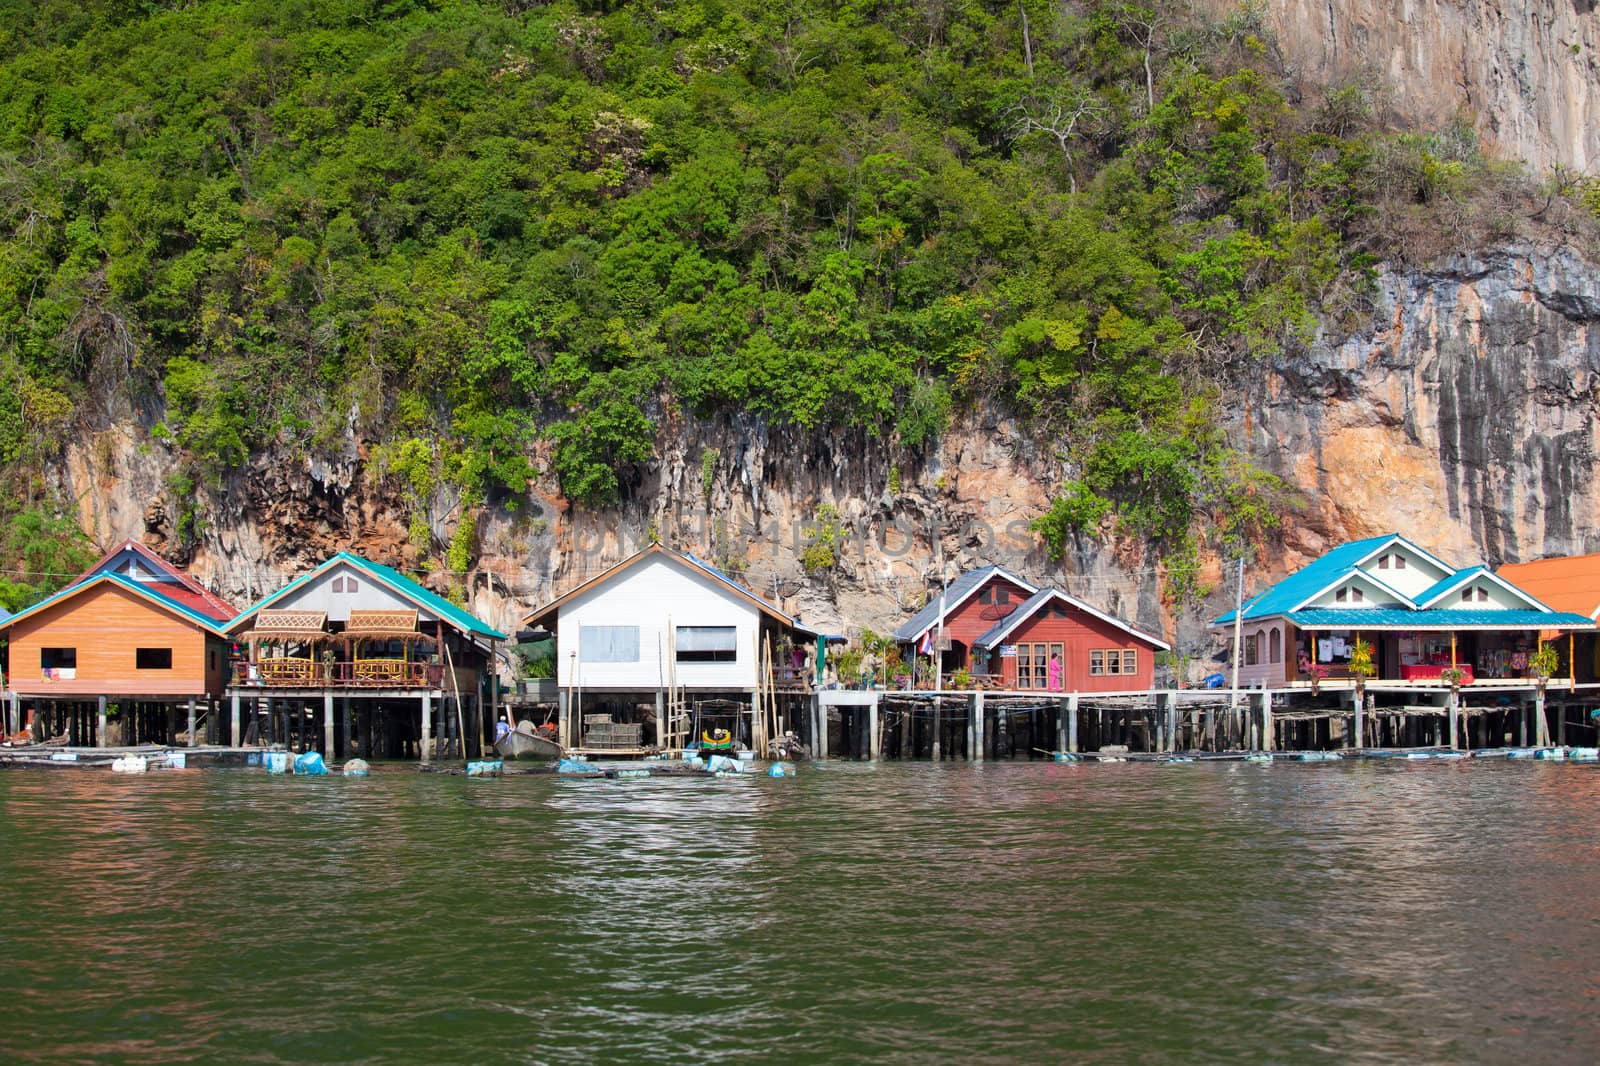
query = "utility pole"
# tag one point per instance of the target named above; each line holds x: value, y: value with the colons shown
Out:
x: 1238, y: 638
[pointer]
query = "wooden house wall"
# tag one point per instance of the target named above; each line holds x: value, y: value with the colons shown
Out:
x: 972, y: 618
x: 107, y: 625
x: 1265, y: 671
x: 1079, y: 633
x: 653, y: 595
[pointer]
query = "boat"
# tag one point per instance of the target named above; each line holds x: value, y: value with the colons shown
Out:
x: 716, y: 740
x: 527, y: 743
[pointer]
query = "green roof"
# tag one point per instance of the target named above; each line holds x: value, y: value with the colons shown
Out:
x: 397, y: 582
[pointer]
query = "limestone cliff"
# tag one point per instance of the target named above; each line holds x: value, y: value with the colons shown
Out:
x: 1466, y: 414
x: 1525, y: 72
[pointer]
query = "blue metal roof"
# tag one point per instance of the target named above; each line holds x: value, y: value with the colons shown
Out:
x: 1460, y: 577
x: 4, y: 614
x: 1441, y: 618
x: 1310, y: 579
x: 189, y: 614
x: 959, y: 589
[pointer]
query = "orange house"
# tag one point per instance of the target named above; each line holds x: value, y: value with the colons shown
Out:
x: 109, y: 635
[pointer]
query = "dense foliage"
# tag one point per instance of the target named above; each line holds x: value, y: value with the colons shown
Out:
x: 455, y: 227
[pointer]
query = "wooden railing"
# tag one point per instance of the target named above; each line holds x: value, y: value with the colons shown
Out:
x: 363, y: 673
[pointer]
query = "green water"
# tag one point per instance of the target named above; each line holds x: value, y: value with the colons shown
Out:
x: 1043, y: 913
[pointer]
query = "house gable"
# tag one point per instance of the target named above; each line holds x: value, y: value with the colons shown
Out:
x: 1355, y: 588
x: 643, y: 611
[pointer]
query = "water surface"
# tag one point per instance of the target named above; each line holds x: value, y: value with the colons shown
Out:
x: 998, y: 913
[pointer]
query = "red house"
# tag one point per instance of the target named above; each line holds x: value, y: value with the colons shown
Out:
x: 970, y: 607
x: 1054, y: 642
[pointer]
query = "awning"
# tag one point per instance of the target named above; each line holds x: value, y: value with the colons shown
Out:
x: 385, y: 625
x: 289, y: 625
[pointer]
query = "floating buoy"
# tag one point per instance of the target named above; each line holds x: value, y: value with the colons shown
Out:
x: 310, y: 764
x: 356, y: 768
x: 1584, y: 754
x: 1263, y: 757
x: 276, y: 762
x: 780, y: 769
x: 132, y: 764
x: 486, y: 768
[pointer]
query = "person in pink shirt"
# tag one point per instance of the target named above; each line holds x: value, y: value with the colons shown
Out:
x: 1055, y: 673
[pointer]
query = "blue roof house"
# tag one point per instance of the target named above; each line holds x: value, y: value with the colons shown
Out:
x: 1420, y: 614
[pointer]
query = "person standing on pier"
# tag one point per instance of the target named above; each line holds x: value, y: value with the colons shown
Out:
x: 1055, y: 673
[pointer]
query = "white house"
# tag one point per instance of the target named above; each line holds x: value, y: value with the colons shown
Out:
x: 663, y: 621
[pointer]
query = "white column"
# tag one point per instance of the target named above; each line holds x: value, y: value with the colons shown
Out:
x: 100, y: 723
x: 874, y: 742
x: 1267, y: 740
x: 234, y: 738
x: 977, y: 726
x: 194, y: 741
x: 1072, y: 722
x: 427, y: 728
x: 327, y: 724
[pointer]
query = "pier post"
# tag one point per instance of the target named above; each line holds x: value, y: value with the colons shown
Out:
x: 344, y: 716
x: 1541, y: 729
x: 1072, y: 722
x: 661, y: 721
x: 100, y: 722
x: 234, y: 740
x: 874, y: 741
x: 821, y: 752
x: 1450, y: 712
x: 1268, y: 741
x: 15, y: 705
x: 427, y: 727
x: 1169, y: 706
x: 193, y: 740
x: 327, y: 724
x: 1061, y: 724
x: 563, y: 715
x: 938, y: 753
x: 1357, y: 735
x: 976, y: 750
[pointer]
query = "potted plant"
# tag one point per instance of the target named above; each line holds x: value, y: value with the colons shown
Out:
x: 328, y: 659
x: 1316, y: 672
x: 961, y: 679
x: 1544, y: 664
x: 1361, y: 666
x: 1453, y: 676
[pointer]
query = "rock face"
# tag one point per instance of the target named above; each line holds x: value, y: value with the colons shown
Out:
x: 1525, y: 72
x: 1465, y: 416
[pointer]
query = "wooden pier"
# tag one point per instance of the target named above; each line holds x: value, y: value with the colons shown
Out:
x: 980, y: 725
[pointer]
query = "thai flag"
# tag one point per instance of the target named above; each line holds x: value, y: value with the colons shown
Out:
x: 926, y: 647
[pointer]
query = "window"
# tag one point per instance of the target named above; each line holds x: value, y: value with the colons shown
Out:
x: 1002, y: 595
x: 1466, y: 595
x: 1277, y: 646
x: 338, y: 584
x: 608, y: 644
x: 1399, y: 562
x: 1483, y: 595
x: 58, y: 658
x: 346, y: 584
x: 985, y: 595
x: 1058, y: 610
x: 1341, y: 596
x: 1383, y: 562
x: 708, y: 644
x: 1024, y: 665
x: 1357, y: 595
x: 1097, y: 664
x: 1252, y: 655
x: 153, y: 658
x: 212, y: 658
x: 1041, y: 663
x: 1130, y: 662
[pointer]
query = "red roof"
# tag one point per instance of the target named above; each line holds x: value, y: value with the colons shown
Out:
x: 1568, y: 583
x: 188, y: 591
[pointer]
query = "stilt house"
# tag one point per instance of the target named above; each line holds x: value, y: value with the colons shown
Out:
x: 665, y: 626
x: 1421, y: 615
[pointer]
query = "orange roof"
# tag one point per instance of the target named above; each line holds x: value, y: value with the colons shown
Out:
x: 1569, y: 583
